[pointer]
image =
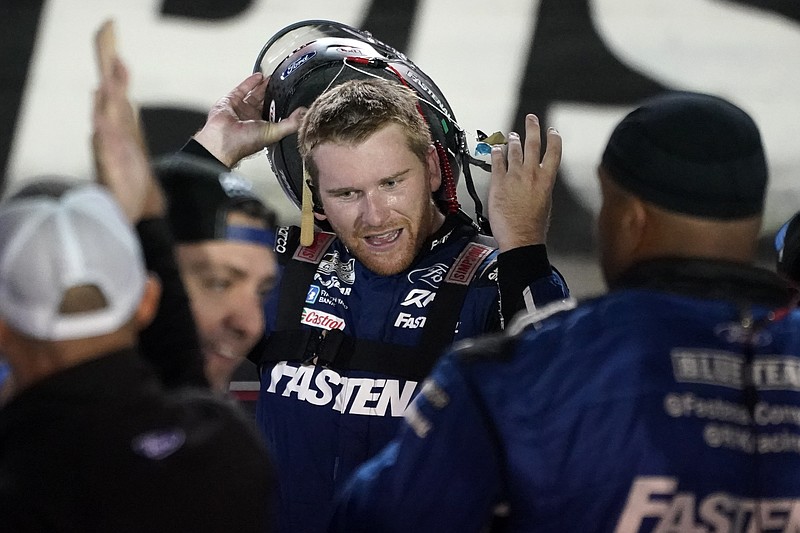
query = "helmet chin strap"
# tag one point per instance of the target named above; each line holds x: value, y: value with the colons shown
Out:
x: 466, y: 161
x: 306, y: 212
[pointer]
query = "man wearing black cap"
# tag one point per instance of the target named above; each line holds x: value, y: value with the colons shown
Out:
x: 670, y: 404
x: 224, y: 236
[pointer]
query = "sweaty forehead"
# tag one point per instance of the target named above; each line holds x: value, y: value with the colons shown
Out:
x: 233, y: 257
x: 383, y: 155
x: 237, y: 218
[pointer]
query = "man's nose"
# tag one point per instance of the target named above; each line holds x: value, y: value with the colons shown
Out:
x: 374, y: 210
x: 247, y: 317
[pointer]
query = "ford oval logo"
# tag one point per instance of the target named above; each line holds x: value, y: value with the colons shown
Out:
x: 297, y: 62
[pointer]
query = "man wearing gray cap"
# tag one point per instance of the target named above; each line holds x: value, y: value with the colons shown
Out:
x: 90, y: 441
x: 670, y: 404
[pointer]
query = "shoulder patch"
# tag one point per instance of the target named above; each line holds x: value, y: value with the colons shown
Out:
x: 467, y: 263
x: 287, y: 238
x: 314, y: 253
x: 535, y: 317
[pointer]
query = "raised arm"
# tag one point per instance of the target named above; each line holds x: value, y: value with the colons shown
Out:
x: 170, y: 343
x: 520, y: 199
x: 234, y: 128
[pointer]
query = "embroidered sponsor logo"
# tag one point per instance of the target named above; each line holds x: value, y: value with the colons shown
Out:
x: 654, y: 501
x: 320, y: 319
x: 327, y: 298
x: 296, y: 64
x: 159, y: 444
x: 407, y: 321
x: 332, y: 282
x: 727, y: 369
x: 467, y: 263
x: 330, y: 264
x: 313, y: 253
x: 331, y: 273
x: 419, y: 298
x: 357, y: 396
x: 432, y: 275
x: 282, y: 239
x: 313, y: 294
x: 437, y: 242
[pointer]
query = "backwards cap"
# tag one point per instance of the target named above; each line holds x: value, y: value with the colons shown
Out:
x: 690, y: 153
x: 49, y: 245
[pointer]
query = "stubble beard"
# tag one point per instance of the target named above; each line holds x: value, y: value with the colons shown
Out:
x: 395, y: 261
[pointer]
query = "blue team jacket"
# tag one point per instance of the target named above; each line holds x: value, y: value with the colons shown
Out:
x: 671, y: 404
x: 321, y: 423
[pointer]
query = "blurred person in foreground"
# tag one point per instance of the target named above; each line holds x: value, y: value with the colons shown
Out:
x: 669, y: 404
x: 91, y: 441
x: 170, y: 342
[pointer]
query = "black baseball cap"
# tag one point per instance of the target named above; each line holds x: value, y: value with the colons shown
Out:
x: 200, y: 195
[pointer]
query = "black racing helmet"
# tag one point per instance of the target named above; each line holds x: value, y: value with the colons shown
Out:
x: 307, y: 58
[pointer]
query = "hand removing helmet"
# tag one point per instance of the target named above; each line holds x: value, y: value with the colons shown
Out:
x: 307, y: 58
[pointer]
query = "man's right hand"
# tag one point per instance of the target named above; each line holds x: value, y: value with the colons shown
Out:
x: 234, y: 128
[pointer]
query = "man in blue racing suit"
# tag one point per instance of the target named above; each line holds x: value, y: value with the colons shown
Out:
x: 363, y: 312
x: 787, y: 244
x: 670, y: 404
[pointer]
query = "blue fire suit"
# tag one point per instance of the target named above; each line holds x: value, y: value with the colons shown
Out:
x: 672, y: 404
x: 324, y: 410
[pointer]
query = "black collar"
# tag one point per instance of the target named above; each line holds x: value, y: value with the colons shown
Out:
x: 113, y: 375
x: 703, y: 278
x: 458, y: 221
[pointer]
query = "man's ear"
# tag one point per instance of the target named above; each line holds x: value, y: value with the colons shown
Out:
x: 320, y: 216
x: 148, y: 306
x: 434, y: 168
x: 635, y: 221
